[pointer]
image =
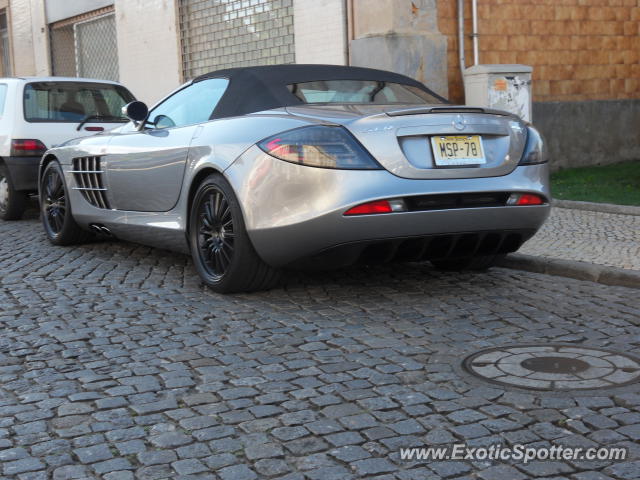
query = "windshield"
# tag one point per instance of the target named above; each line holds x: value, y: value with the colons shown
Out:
x: 373, y: 92
x: 74, y: 101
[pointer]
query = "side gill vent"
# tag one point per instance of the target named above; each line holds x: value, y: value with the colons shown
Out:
x: 88, y: 176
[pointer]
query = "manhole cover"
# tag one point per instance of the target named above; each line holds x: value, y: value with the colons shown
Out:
x: 554, y: 367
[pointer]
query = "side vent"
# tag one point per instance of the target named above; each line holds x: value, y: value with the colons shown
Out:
x: 88, y: 176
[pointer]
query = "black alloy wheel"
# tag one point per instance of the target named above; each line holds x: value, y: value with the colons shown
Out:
x: 54, y: 202
x: 222, y: 252
x: 55, y: 209
x: 216, y: 236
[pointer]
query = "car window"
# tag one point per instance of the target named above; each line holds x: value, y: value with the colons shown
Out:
x: 74, y: 101
x: 360, y: 91
x: 3, y: 96
x: 193, y: 104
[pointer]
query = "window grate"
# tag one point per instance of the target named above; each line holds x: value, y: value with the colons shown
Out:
x: 219, y: 34
x: 85, y: 48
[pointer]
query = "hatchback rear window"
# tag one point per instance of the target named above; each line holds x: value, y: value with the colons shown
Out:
x: 361, y: 92
x: 74, y: 101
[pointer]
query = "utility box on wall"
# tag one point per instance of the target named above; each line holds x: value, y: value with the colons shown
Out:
x: 503, y: 87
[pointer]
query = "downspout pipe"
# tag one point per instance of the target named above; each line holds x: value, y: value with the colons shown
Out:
x: 474, y: 33
x: 349, y: 30
x: 463, y: 63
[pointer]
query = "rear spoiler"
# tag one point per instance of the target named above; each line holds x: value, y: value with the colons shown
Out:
x: 447, y: 109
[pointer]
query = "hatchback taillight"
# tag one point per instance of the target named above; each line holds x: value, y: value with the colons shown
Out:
x: 27, y: 148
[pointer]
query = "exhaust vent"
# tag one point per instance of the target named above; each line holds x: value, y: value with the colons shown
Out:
x: 89, y: 181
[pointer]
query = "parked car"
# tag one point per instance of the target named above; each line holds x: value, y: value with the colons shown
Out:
x: 255, y: 169
x: 37, y: 113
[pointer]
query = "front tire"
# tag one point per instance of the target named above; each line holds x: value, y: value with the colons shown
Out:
x: 220, y: 247
x: 55, y: 209
x: 13, y: 203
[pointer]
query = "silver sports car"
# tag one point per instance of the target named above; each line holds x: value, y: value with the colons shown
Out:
x: 252, y: 170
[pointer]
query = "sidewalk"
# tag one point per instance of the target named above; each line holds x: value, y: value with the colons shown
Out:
x: 595, y: 237
x: 584, y: 244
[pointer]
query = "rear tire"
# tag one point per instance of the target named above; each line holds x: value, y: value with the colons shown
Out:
x: 13, y: 203
x: 477, y: 263
x: 55, y: 209
x: 220, y: 247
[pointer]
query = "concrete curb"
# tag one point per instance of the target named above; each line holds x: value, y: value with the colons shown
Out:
x: 573, y: 269
x: 597, y: 207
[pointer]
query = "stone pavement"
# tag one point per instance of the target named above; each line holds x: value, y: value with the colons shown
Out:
x: 594, y: 237
x: 116, y: 364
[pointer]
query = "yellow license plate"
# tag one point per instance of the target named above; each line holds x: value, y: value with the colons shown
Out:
x: 452, y: 150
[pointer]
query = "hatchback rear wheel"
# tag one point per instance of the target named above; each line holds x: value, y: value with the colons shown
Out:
x: 221, y: 249
x: 12, y: 202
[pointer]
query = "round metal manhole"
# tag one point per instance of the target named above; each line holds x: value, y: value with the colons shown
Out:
x: 554, y: 367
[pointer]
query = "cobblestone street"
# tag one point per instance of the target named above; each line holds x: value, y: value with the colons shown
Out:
x: 116, y: 364
x: 594, y: 237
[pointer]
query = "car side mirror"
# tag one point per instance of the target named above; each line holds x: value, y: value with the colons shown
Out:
x: 162, y: 121
x: 136, y: 111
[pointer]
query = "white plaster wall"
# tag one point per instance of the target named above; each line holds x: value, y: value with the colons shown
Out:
x: 28, y: 38
x: 148, y: 49
x: 62, y: 9
x: 41, y: 51
x: 319, y: 28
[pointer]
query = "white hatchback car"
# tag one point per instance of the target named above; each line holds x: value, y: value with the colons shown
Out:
x: 38, y: 113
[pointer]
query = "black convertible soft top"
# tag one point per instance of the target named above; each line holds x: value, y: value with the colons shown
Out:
x: 254, y: 89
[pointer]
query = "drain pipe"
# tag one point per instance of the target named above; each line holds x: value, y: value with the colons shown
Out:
x: 474, y: 34
x: 350, y: 29
x: 463, y: 63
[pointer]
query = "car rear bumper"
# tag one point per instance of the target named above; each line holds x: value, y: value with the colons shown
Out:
x: 395, y: 232
x: 293, y: 212
x: 23, y: 172
x: 419, y: 248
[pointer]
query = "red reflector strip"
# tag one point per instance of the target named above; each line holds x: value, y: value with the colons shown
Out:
x: 379, y: 206
x: 94, y: 129
x: 529, y: 199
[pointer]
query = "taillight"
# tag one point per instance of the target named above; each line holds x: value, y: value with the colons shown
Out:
x: 535, y: 150
x: 320, y: 146
x: 525, y: 199
x: 378, y: 206
x: 27, y: 148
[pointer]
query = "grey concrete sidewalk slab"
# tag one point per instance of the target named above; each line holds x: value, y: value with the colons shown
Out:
x: 599, y: 238
x: 598, y: 207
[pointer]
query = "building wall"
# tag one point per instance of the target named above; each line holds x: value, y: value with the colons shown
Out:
x: 148, y: 51
x: 29, y: 57
x: 320, y: 31
x: 402, y: 36
x: 41, y: 54
x: 59, y: 10
x: 593, y: 132
x: 579, y: 49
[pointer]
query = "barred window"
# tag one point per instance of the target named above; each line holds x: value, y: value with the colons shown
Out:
x: 85, y: 47
x: 218, y: 34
